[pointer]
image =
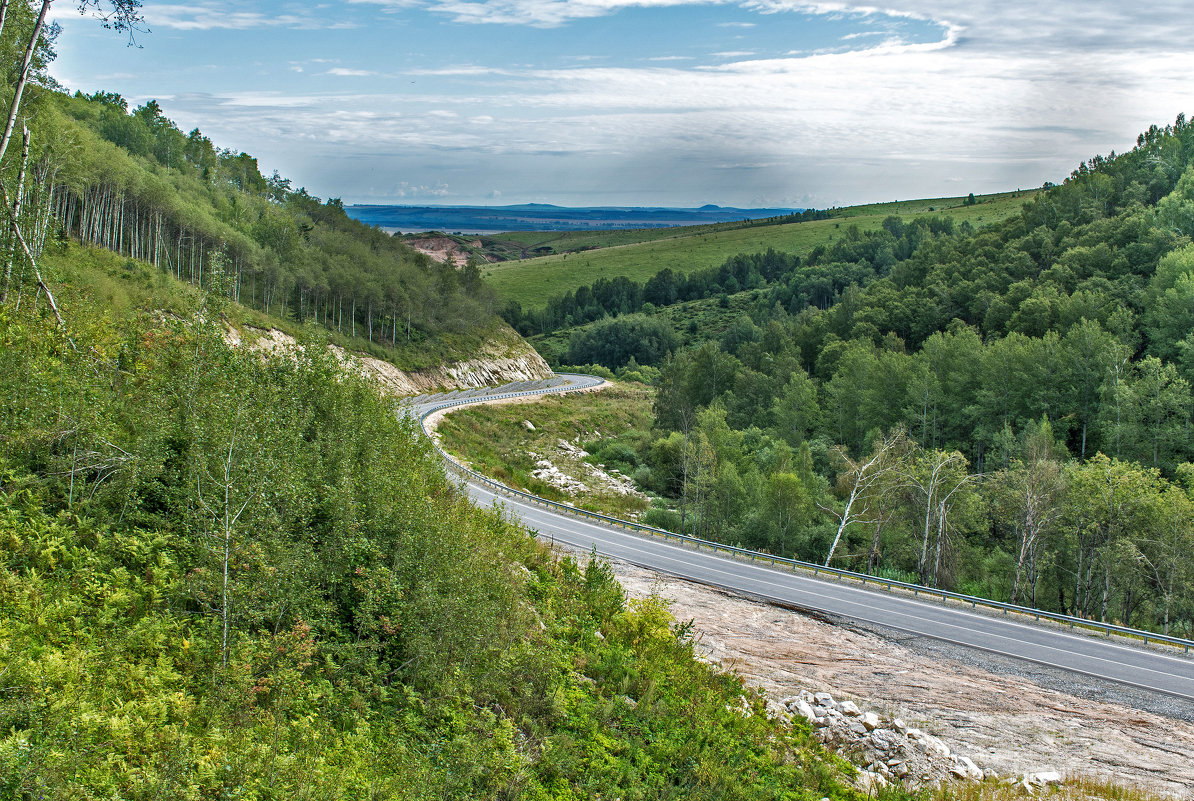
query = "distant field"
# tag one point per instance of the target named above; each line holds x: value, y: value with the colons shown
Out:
x: 645, y: 252
x: 561, y: 241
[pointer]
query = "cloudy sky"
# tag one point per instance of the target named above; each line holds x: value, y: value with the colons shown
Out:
x: 653, y: 102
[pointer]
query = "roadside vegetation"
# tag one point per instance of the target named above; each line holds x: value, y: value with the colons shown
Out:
x: 581, y: 435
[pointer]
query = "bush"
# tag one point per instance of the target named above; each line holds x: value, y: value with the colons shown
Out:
x: 617, y: 454
x: 666, y: 519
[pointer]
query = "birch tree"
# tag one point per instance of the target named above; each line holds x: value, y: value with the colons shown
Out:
x: 939, y: 477
x: 860, y: 477
x: 121, y: 15
x: 1029, y: 494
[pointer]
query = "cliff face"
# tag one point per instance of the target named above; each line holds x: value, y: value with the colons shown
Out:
x: 504, y: 357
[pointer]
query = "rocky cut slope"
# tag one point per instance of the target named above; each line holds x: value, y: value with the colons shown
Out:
x: 503, y: 357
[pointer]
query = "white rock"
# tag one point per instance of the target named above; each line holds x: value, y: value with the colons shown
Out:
x: 1045, y: 778
x: 826, y: 700
x: 870, y: 720
x: 850, y: 708
x: 932, y: 745
x: 528, y: 425
x: 870, y: 782
x: 899, y: 724
x: 966, y: 769
x: 807, y: 711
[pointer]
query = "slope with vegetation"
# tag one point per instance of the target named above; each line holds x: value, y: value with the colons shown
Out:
x: 638, y: 255
x: 1005, y: 411
x: 96, y: 172
x: 265, y: 586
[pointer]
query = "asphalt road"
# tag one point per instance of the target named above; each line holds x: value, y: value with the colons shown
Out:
x: 1114, y: 660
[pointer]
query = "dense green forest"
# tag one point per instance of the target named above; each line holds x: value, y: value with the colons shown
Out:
x: 96, y: 172
x: 1005, y: 411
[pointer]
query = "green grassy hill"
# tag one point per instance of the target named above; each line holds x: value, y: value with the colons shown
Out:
x: 640, y: 254
x: 131, y: 182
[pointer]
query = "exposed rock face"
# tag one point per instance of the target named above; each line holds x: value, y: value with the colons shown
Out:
x: 443, y: 249
x: 502, y: 359
x: 490, y: 367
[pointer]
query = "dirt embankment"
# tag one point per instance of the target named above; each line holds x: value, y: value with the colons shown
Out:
x: 443, y: 249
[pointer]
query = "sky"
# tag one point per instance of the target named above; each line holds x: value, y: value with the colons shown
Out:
x: 748, y: 103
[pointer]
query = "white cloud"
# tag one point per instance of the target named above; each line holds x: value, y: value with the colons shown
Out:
x: 733, y: 53
x: 1010, y: 93
x: 461, y: 71
x: 223, y: 16
x: 350, y: 73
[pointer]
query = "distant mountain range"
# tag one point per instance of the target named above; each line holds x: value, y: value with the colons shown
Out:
x: 544, y: 217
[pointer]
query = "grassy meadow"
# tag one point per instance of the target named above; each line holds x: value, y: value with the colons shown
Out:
x: 639, y: 254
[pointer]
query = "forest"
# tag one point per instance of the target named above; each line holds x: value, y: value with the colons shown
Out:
x: 92, y: 170
x: 1003, y: 411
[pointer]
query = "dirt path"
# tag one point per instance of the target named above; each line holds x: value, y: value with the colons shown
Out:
x: 1005, y: 722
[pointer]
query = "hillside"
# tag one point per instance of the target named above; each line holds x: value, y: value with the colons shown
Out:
x: 265, y: 585
x: 130, y: 181
x: 638, y: 255
x: 236, y: 572
x: 1003, y: 411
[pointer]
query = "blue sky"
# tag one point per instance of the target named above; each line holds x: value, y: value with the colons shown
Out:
x: 654, y: 102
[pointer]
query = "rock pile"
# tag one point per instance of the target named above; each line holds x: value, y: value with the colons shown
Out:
x: 887, y: 751
x: 548, y: 473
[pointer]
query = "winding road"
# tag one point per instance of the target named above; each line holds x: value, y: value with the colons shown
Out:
x: 1167, y: 671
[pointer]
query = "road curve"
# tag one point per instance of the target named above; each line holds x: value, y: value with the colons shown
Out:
x: 1082, y: 654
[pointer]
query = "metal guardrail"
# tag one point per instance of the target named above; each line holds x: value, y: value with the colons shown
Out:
x: 917, y: 589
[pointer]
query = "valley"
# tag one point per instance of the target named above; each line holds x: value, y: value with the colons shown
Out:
x: 767, y: 501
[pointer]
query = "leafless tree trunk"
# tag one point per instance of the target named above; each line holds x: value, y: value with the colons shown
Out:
x: 23, y: 77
